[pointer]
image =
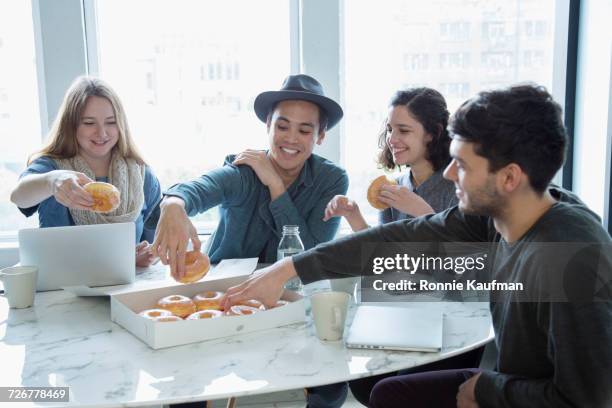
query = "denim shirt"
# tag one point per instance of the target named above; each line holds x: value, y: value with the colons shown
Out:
x: 53, y: 214
x: 251, y: 224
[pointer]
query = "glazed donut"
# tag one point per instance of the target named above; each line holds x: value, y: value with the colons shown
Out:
x: 179, y: 305
x: 252, y: 303
x: 208, y: 300
x: 154, y: 314
x: 374, y: 191
x: 196, y: 266
x: 242, y: 310
x: 106, y: 196
x: 167, y: 319
x: 205, y: 314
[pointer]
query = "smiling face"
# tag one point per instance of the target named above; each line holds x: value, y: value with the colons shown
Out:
x: 97, y: 132
x: 476, y: 188
x: 293, y: 129
x: 406, y: 137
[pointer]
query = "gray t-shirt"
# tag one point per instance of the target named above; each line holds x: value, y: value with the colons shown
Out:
x: 437, y: 191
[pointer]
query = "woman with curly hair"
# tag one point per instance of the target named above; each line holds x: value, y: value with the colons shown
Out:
x: 415, y: 136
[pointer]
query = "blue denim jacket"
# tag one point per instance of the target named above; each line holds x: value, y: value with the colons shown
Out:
x: 53, y: 214
x: 251, y: 225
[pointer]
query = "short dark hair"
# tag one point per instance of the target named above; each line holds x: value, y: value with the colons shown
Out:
x: 323, y: 118
x: 521, y: 124
x: 429, y: 108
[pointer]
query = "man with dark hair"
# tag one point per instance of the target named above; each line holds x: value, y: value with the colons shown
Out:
x: 261, y: 191
x: 554, y: 348
x: 527, y: 128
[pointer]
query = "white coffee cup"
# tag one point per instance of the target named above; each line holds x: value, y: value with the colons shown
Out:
x: 346, y: 285
x: 329, y: 314
x: 19, y: 285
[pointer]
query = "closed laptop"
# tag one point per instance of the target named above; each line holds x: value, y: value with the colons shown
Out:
x: 396, y: 328
x: 88, y: 255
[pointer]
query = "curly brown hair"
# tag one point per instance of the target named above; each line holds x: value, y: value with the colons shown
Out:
x: 429, y: 107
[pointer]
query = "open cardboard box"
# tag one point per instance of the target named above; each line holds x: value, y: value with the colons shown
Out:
x: 126, y: 306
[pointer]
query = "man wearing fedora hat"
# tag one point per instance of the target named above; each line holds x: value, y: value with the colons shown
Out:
x: 260, y: 191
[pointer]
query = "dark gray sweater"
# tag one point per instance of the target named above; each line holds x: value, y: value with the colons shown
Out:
x: 551, y: 354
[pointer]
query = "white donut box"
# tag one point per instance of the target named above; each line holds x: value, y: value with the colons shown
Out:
x: 126, y: 306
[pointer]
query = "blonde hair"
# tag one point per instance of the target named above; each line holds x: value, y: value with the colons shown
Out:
x: 62, y: 136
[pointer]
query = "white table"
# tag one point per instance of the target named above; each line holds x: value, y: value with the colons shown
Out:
x: 69, y: 341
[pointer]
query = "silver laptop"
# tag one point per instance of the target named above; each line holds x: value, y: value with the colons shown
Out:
x: 396, y: 328
x: 87, y: 255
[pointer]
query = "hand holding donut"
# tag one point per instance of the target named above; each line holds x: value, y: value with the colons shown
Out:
x: 197, y: 265
x: 404, y: 200
x: 174, y: 230
x: 67, y: 188
x: 106, y: 196
x: 373, y: 193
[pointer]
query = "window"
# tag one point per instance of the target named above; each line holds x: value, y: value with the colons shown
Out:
x: 454, y: 60
x: 533, y: 58
x: 459, y: 64
x: 455, y: 90
x: 416, y: 62
x: 535, y: 29
x: 494, y: 31
x: 20, y: 133
x: 188, y: 73
x: 455, y: 31
x: 498, y: 63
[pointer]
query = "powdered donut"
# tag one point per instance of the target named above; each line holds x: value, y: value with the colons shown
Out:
x: 242, y: 310
x: 205, y: 314
x: 155, y: 313
x: 179, y: 305
x: 252, y: 303
x: 167, y: 319
x: 208, y: 300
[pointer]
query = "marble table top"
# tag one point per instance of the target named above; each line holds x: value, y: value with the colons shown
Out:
x: 70, y: 341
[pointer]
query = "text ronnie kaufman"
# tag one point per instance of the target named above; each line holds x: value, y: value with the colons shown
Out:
x: 406, y: 285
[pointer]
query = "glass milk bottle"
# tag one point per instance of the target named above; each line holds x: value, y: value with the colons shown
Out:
x: 290, y: 244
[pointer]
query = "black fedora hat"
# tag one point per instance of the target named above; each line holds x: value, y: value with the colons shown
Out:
x: 299, y: 87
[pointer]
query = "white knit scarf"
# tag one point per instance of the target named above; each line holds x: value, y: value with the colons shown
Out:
x: 125, y: 174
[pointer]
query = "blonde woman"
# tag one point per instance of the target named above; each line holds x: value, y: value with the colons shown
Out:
x: 90, y: 140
